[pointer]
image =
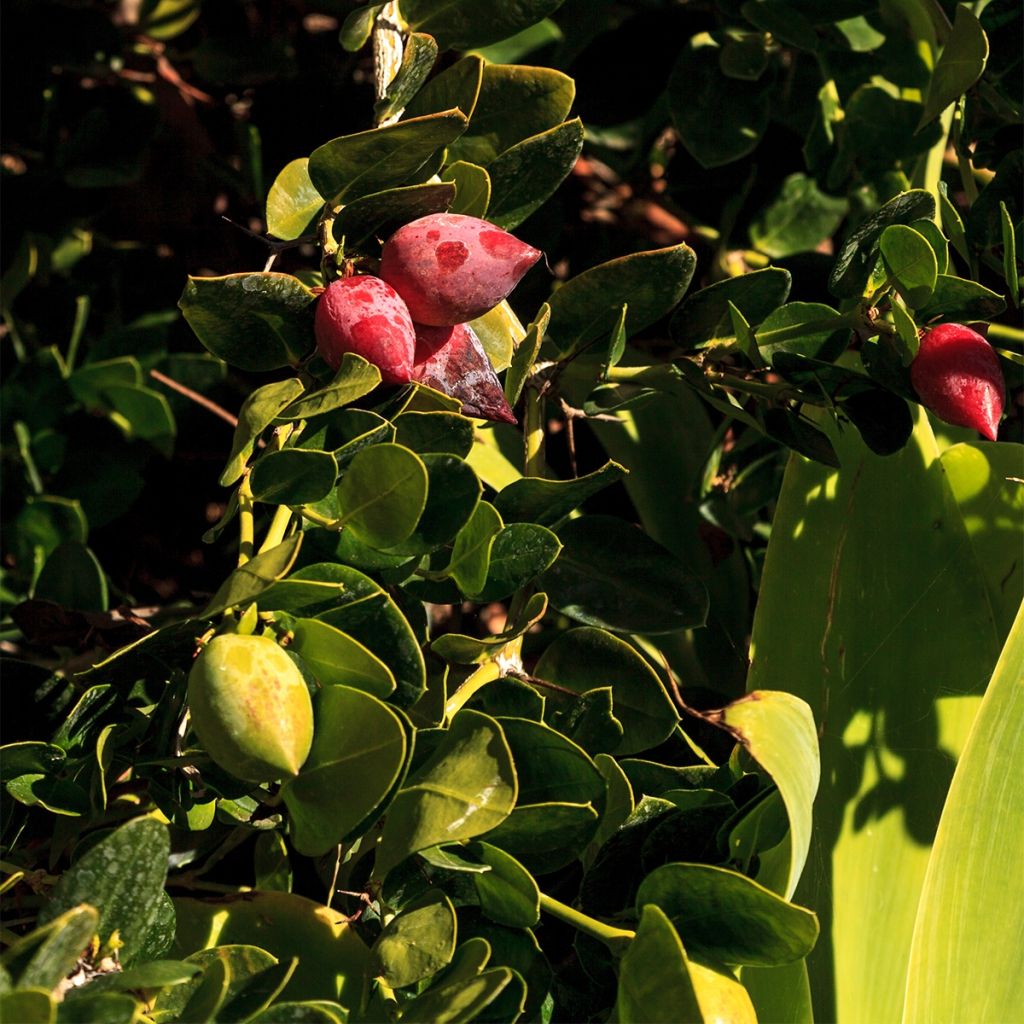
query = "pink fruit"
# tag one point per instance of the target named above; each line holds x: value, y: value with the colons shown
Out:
x: 365, y: 315
x: 452, y: 360
x: 956, y: 374
x: 450, y: 268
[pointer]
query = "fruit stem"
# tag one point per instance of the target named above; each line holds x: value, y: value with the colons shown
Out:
x: 1006, y: 332
x: 616, y: 939
x: 246, y: 521
x: 533, y: 433
x: 278, y: 527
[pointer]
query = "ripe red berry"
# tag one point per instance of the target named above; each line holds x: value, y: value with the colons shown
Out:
x: 450, y: 268
x: 956, y: 374
x: 366, y: 316
x: 452, y: 360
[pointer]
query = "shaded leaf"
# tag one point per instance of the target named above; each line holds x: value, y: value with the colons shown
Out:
x: 704, y: 319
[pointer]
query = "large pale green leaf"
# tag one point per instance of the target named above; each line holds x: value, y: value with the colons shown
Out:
x: 356, y: 165
x: 335, y: 658
x: 590, y: 305
x: 966, y: 954
x: 332, y: 957
x: 253, y: 321
x: 466, y: 787
x: 724, y: 915
x: 889, y: 637
x: 292, y: 202
x: 417, y: 943
x: 778, y: 731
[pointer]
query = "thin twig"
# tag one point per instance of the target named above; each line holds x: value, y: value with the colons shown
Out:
x: 524, y: 677
x: 195, y: 396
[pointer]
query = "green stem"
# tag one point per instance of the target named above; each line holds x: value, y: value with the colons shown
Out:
x: 315, y: 517
x: 246, y: 521
x: 78, y: 329
x: 533, y: 433
x: 1006, y: 332
x: 616, y: 939
x: 278, y: 527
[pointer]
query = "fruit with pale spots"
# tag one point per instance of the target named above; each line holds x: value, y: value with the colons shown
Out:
x: 365, y: 315
x: 956, y: 374
x: 450, y: 268
x: 250, y: 708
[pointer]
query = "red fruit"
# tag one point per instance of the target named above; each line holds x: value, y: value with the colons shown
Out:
x: 956, y: 374
x: 450, y: 268
x: 366, y: 316
x: 452, y: 360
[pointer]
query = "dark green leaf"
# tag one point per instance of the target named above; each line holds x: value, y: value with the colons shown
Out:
x: 808, y: 324
x: 728, y: 918
x: 357, y: 738
x: 589, y: 305
x: 426, y: 432
x: 507, y: 893
x: 956, y: 300
x: 795, y: 432
x: 452, y: 497
x: 784, y: 21
x: 248, y: 581
x: 704, y: 319
x: 526, y: 355
x: 271, y: 866
x: 698, y: 86
x: 380, y: 214
x: 471, y: 555
x: 47, y: 955
x: 456, y: 86
x: 73, y: 577
x: 418, y: 57
x: 466, y: 24
x: 30, y: 757
x: 417, y: 943
x: 527, y: 174
x: 515, y: 103
x: 545, y: 502
x: 357, y: 28
x: 257, y: 413
x: 459, y: 1001
x: 548, y: 836
x: 293, y: 476
x: 590, y: 721
x: 910, y: 261
x: 356, y: 165
x: 253, y: 321
x: 520, y: 553
x: 857, y: 256
x: 611, y: 574
x: 293, y: 202
x: 382, y: 494
x: 798, y: 220
x: 123, y: 877
x: 959, y: 66
x: 583, y: 659
x: 355, y: 378
x: 472, y: 188
x: 468, y: 649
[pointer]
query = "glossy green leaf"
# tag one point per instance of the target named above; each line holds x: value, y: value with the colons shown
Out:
x: 252, y: 321
x: 417, y: 943
x: 520, y: 553
x: 44, y: 957
x: 536, y: 500
x: 30, y: 756
x: 472, y: 188
x: 258, y: 993
x: 611, y: 574
x: 933, y: 233
x: 507, y: 892
x: 798, y: 220
x: 356, y: 737
x: 122, y: 876
x: 696, y: 86
x: 965, y: 916
x: 352, y: 166
x: 589, y: 305
x: 910, y: 261
x: 382, y: 494
x: 856, y: 258
x: 809, y: 325
x: 515, y: 102
x: 108, y: 1007
x: 956, y: 300
x: 226, y: 972
x: 58, y: 796
x: 892, y: 683
x: 418, y: 57
x: 464, y: 24
x: 73, y: 577
x: 471, y: 554
x: 248, y: 581
x: 466, y: 787
x: 380, y: 214
x: 257, y: 413
x: 704, y: 319
x: 654, y: 976
x: 725, y: 916
x: 547, y: 836
x: 335, y: 658
x: 528, y: 173
x: 308, y: 1011
x: 355, y: 378
x: 456, y: 86
x: 293, y: 476
x: 459, y: 1001
x: 434, y: 432
x: 332, y: 957
x: 452, y: 497
x: 1010, y: 271
x: 293, y: 202
x: 959, y: 66
x: 582, y: 659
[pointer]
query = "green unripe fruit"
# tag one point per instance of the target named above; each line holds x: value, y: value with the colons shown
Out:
x: 250, y: 708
